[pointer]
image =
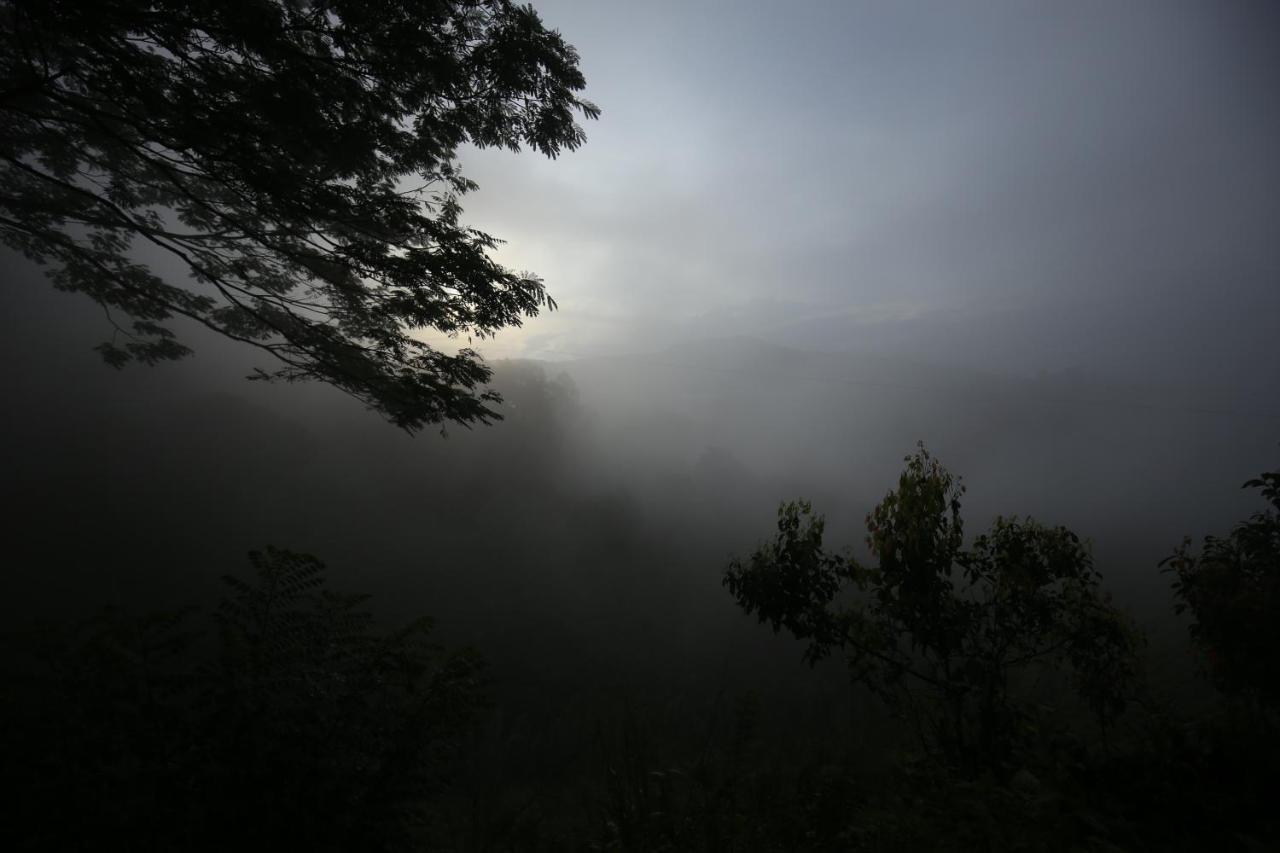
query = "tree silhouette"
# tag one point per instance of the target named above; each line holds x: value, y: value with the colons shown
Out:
x: 944, y: 654
x: 296, y: 723
x: 298, y: 159
x: 1232, y: 590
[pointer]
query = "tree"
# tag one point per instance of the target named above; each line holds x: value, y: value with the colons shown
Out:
x: 298, y: 159
x: 296, y: 723
x: 942, y: 653
x: 1232, y: 590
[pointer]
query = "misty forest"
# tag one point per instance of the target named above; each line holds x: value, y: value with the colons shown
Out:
x: 450, y: 425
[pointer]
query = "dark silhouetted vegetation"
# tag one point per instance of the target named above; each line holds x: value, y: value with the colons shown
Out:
x: 298, y: 162
x: 287, y: 721
x: 999, y: 769
x: 1231, y: 588
x: 945, y: 655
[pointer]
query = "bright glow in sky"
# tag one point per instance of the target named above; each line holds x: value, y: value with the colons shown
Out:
x: 1009, y: 185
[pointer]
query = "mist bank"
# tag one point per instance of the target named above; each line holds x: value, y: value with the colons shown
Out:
x: 605, y: 503
x: 580, y: 543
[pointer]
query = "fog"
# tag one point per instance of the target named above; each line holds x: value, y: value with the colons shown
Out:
x: 803, y: 238
x: 597, y: 518
x: 1003, y: 186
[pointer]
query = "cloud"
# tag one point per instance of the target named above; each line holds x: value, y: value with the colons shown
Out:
x: 1019, y: 185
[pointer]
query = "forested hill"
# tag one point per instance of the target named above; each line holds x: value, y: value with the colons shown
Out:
x: 608, y: 479
x: 580, y: 544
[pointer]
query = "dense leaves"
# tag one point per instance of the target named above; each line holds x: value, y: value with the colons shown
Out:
x: 791, y: 582
x: 938, y: 630
x: 297, y: 160
x: 1232, y: 590
x: 294, y: 724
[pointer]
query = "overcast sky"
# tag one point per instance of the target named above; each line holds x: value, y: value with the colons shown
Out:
x: 1023, y: 185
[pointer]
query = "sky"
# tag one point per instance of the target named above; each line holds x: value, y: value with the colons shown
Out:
x: 1016, y: 187
x: 804, y: 236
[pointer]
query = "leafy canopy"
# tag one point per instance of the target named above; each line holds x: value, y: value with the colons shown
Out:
x: 296, y: 723
x: 298, y: 159
x: 1232, y: 590
x: 939, y: 630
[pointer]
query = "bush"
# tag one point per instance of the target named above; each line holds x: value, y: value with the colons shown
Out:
x: 940, y: 631
x: 294, y: 724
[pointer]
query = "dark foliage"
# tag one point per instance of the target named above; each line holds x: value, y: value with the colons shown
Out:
x: 290, y: 721
x: 293, y: 724
x: 1232, y: 591
x: 297, y: 159
x: 940, y: 631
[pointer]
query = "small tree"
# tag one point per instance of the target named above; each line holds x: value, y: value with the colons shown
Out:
x: 297, y: 159
x: 296, y: 724
x: 320, y: 713
x: 1232, y: 591
x: 938, y: 630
